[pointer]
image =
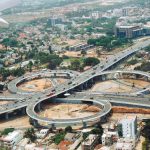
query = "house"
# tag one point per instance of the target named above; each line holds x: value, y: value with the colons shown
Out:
x: 90, y: 142
x: 13, y: 138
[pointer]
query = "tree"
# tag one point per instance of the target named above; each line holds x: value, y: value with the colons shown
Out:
x: 75, y: 64
x: 98, y: 131
x: 98, y: 52
x: 91, y: 61
x: 50, y: 50
x: 68, y: 129
x: 83, y: 52
x: 59, y: 137
x: 6, y: 131
x: 30, y: 133
x: 30, y: 66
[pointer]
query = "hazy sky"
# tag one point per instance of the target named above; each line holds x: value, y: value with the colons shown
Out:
x: 4, y: 4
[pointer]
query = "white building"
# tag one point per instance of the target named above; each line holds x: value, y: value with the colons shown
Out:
x: 125, y: 144
x: 42, y: 133
x: 129, y: 127
x: 13, y: 138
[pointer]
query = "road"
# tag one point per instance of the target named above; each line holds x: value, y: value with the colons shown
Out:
x: 76, y: 81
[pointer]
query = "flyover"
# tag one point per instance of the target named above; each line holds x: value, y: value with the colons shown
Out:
x: 78, y: 81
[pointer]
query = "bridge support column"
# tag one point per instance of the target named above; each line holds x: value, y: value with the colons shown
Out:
x: 81, y: 87
x: 39, y: 107
x: 84, y: 124
x: 86, y: 85
x: 68, y: 76
x: 23, y: 111
x: 146, y: 78
x: 103, y: 77
x: 54, y: 75
x: 6, y: 116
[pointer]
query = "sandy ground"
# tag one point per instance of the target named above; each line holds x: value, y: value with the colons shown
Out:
x: 36, y: 85
x: 138, y: 83
x: 114, y: 86
x: 4, y: 102
x: 20, y: 122
x: 61, y: 80
x: 68, y: 111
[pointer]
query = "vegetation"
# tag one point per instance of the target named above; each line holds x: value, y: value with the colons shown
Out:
x: 68, y: 129
x: 147, y: 49
x: 145, y: 66
x: 91, y: 61
x: 10, y: 42
x: 59, y: 137
x: 6, y: 131
x: 146, y: 133
x: 30, y: 133
x: 15, y: 72
x: 108, y: 42
x: 132, y: 62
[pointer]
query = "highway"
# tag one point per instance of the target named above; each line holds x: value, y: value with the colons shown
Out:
x: 77, y: 80
x: 84, y: 77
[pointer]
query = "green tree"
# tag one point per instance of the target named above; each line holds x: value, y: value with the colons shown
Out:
x: 68, y: 129
x: 75, y: 64
x: 7, y: 130
x: 91, y: 61
x: 30, y: 65
x: 83, y: 52
x: 30, y: 133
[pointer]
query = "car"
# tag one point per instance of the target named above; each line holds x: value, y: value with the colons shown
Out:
x: 69, y: 82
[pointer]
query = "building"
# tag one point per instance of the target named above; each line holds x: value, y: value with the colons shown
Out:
x: 129, y: 31
x: 13, y: 138
x: 96, y: 14
x: 90, y: 142
x: 129, y: 127
x: 146, y: 29
x: 72, y: 137
x: 2, y: 84
x: 54, y: 21
x: 109, y: 137
x: 42, y: 133
x: 125, y: 144
x: 80, y: 46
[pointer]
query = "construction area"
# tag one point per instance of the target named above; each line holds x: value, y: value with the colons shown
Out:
x: 36, y: 85
x: 120, y: 85
x: 68, y: 111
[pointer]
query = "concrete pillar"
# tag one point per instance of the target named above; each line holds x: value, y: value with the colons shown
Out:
x: 103, y: 77
x: 54, y: 74
x: 86, y: 85
x: 39, y: 107
x: 84, y: 124
x: 68, y: 76
x: 81, y: 87
x: 23, y: 111
x: 53, y: 126
x: 6, y: 116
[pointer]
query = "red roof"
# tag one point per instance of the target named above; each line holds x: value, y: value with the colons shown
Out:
x: 63, y: 145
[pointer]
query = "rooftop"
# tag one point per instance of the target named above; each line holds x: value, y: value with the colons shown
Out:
x: 90, y: 139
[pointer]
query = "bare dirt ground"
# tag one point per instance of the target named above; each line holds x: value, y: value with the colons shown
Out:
x: 4, y: 102
x: 36, y: 85
x: 114, y: 86
x: 20, y: 122
x: 61, y: 80
x: 68, y: 111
